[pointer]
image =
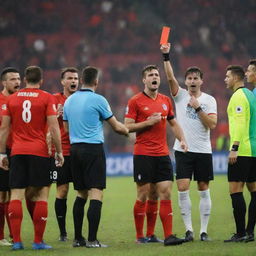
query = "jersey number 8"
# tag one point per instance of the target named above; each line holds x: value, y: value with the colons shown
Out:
x: 26, y: 113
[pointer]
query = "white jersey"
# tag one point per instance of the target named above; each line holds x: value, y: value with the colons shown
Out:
x: 196, y: 134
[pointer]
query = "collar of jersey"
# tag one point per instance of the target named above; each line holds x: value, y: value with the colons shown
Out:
x: 86, y: 90
x: 239, y: 88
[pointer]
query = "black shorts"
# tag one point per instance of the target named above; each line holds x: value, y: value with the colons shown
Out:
x: 88, y: 165
x: 243, y: 170
x: 152, y: 169
x: 191, y: 164
x: 29, y: 170
x: 4, y: 176
x: 61, y: 175
x: 4, y: 180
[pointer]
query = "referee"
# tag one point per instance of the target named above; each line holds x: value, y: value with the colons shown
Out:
x: 84, y: 113
x: 242, y: 156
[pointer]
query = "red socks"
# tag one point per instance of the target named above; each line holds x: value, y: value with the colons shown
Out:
x: 151, y: 211
x: 6, y: 206
x: 15, y: 216
x: 166, y: 216
x: 2, y: 221
x: 39, y: 219
x: 30, y: 206
x: 139, y: 215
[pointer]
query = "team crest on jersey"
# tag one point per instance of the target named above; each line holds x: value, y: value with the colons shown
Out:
x: 239, y: 109
x: 164, y: 107
x: 4, y: 107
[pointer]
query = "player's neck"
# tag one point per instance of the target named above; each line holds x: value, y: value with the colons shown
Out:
x: 93, y: 88
x: 33, y: 86
x: 5, y: 92
x: 196, y: 94
x: 66, y: 93
x: 237, y: 85
x: 151, y: 94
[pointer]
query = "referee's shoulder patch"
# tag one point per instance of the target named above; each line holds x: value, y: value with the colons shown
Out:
x: 239, y: 109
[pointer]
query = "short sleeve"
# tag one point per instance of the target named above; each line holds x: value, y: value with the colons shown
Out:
x: 51, y: 106
x: 171, y: 112
x: 180, y: 94
x: 212, y: 109
x: 131, y: 109
x: 104, y: 109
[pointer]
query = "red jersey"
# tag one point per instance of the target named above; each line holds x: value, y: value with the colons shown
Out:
x: 28, y: 109
x: 153, y: 140
x: 60, y: 99
x: 3, y: 101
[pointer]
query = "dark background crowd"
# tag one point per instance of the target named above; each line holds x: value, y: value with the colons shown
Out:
x: 122, y: 36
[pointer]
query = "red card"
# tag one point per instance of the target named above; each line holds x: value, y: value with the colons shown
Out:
x: 165, y: 35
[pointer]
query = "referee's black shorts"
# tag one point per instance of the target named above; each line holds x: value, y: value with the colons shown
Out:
x: 244, y: 170
x: 88, y: 166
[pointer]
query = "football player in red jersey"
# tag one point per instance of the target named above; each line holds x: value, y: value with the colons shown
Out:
x: 147, y: 114
x: 10, y: 79
x: 29, y: 111
x: 62, y: 175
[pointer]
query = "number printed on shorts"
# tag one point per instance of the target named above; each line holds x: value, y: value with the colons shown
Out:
x: 26, y: 113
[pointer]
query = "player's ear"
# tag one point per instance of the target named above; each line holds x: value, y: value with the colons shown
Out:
x: 41, y: 82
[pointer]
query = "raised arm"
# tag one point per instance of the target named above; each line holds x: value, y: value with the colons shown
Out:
x: 173, y: 83
x: 118, y: 127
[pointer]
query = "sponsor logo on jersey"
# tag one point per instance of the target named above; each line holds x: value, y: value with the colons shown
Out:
x: 146, y: 108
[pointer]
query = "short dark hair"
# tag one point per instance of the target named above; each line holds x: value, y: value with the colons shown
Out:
x: 194, y: 69
x: 148, y: 68
x: 68, y: 69
x: 89, y: 74
x: 236, y: 70
x: 33, y: 74
x: 7, y: 70
x: 252, y: 62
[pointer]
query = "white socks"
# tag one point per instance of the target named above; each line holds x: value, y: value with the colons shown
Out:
x: 185, y: 208
x: 205, y: 206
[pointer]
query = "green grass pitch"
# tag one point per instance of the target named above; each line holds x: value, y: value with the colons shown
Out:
x: 117, y: 227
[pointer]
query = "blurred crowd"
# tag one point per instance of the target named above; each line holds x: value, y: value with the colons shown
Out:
x: 121, y: 37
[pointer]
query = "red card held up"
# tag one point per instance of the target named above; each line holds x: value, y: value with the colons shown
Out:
x: 165, y: 35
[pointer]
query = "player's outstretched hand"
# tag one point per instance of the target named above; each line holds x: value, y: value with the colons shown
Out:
x: 4, y: 163
x: 165, y: 48
x: 59, y: 159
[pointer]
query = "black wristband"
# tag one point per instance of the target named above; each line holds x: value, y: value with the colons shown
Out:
x: 198, y: 109
x: 234, y: 147
x: 166, y: 56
